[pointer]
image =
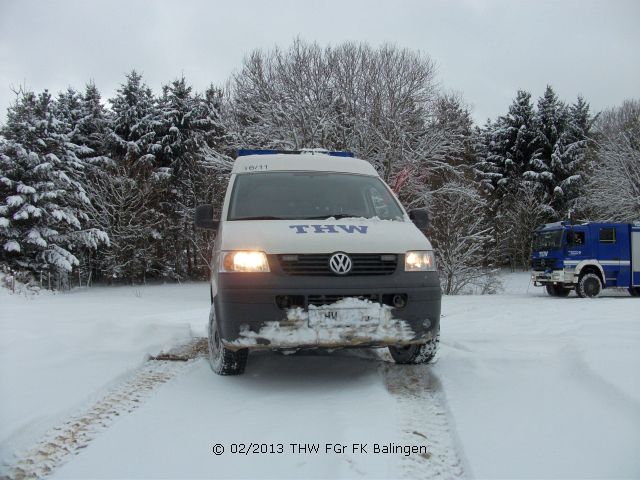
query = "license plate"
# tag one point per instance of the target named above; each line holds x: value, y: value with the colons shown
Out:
x: 342, y: 317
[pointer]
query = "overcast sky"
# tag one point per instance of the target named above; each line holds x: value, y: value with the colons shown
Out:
x: 485, y: 50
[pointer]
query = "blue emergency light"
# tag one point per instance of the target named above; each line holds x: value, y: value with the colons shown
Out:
x: 244, y: 152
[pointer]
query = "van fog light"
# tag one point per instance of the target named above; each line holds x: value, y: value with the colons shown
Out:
x: 399, y: 301
x: 285, y: 302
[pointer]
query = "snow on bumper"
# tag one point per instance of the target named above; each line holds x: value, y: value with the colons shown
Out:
x: 347, y: 322
x: 248, y: 315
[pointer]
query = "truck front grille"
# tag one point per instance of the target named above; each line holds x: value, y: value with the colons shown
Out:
x: 542, y: 264
x: 318, y: 264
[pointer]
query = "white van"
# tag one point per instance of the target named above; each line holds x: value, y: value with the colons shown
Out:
x: 313, y: 250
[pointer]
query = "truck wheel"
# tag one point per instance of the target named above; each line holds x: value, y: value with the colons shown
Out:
x: 222, y: 360
x: 589, y: 285
x: 421, y: 353
x: 634, y: 291
x: 558, y: 291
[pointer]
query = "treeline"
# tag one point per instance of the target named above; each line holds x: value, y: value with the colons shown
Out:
x: 109, y: 191
x: 557, y: 161
x: 106, y: 190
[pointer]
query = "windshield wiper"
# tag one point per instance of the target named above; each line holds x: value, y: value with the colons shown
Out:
x: 336, y: 216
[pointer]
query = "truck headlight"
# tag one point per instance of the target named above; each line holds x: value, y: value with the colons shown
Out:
x: 244, y: 261
x: 419, y: 261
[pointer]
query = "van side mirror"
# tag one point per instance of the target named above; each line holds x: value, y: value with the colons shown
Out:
x: 204, y: 217
x: 419, y: 217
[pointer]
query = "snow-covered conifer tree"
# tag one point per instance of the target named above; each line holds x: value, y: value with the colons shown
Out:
x: 43, y: 224
x: 510, y: 147
x: 569, y: 157
x: 133, y: 126
x: 183, y: 125
x: 551, y: 118
x: 93, y: 128
x: 124, y: 203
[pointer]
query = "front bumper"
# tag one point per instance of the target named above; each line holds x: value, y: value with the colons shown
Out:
x: 553, y: 277
x: 249, y: 317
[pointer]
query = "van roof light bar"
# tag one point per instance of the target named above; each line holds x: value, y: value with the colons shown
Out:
x: 245, y: 151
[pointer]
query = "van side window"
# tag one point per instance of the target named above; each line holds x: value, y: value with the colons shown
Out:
x: 575, y: 239
x: 607, y: 235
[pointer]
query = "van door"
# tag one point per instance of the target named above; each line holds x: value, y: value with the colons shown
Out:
x: 609, y: 239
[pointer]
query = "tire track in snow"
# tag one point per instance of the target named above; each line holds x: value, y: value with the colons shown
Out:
x: 600, y: 386
x: 69, y: 438
x: 424, y: 418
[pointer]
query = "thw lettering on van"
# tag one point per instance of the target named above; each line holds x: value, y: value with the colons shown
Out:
x: 330, y: 228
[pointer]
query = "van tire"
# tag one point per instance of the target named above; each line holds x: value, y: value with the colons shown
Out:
x: 589, y: 285
x: 634, y: 291
x: 415, y: 354
x: 222, y: 360
x: 557, y: 290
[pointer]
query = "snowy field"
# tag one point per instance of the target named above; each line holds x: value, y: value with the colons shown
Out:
x: 524, y: 386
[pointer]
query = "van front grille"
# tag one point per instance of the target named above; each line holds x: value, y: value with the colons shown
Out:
x: 318, y: 264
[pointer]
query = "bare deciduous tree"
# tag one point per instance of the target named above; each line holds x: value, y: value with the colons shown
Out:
x: 613, y: 189
x: 375, y: 102
x: 460, y: 234
x: 616, y: 181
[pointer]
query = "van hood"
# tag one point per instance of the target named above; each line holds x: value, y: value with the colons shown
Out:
x: 350, y: 235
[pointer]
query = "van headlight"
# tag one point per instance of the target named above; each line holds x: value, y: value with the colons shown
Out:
x: 419, y: 261
x: 244, y: 261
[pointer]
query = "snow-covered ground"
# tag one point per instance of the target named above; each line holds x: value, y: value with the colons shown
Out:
x: 61, y: 352
x: 525, y: 386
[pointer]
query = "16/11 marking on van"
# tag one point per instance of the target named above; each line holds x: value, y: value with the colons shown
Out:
x: 255, y: 168
x: 330, y: 228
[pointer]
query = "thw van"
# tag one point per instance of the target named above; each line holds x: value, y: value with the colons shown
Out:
x: 313, y: 250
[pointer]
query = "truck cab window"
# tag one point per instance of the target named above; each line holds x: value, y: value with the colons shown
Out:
x: 607, y: 235
x: 547, y: 240
x: 575, y: 239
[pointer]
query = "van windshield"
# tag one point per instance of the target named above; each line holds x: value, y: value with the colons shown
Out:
x: 547, y: 240
x: 310, y: 195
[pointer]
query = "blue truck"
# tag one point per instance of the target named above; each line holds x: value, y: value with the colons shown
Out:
x: 586, y: 258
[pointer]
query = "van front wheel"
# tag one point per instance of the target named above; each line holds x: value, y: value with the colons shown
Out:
x: 222, y: 360
x: 415, y: 354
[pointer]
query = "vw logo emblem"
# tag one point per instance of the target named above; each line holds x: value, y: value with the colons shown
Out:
x: 340, y: 263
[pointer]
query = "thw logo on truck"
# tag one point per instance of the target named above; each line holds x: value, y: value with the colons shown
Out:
x: 330, y: 228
